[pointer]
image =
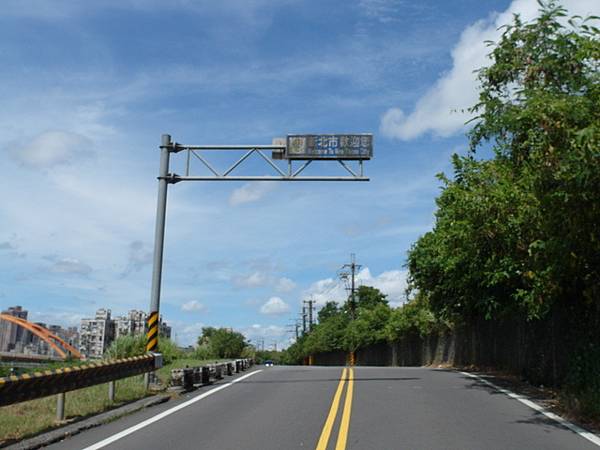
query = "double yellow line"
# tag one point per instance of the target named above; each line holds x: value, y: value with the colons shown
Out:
x: 345, y: 423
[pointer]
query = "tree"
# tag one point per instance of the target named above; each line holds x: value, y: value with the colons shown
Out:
x: 414, y: 316
x: 328, y: 335
x: 519, y: 232
x: 328, y: 310
x: 221, y: 342
x: 368, y: 327
x: 368, y: 297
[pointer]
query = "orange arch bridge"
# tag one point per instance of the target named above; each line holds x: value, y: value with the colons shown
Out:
x: 59, y: 345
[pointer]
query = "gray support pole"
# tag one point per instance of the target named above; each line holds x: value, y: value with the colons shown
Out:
x: 159, y: 238
x: 303, y: 320
x: 111, y: 391
x: 60, y: 407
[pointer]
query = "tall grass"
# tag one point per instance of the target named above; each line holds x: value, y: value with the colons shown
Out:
x: 28, y: 418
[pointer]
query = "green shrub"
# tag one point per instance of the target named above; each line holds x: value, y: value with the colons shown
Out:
x: 583, y: 381
x: 203, y: 352
x: 126, y: 346
x: 169, y: 350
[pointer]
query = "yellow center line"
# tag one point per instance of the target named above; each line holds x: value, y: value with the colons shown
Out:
x: 324, y: 439
x: 345, y: 424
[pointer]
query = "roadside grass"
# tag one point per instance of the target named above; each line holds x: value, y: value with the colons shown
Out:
x: 25, y: 419
x: 28, y: 418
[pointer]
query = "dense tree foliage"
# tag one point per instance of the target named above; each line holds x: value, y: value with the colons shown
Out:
x: 520, y: 231
x: 374, y: 322
x: 517, y: 229
x: 220, y: 343
x: 518, y: 234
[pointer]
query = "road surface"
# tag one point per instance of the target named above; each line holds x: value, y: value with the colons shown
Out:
x: 379, y: 408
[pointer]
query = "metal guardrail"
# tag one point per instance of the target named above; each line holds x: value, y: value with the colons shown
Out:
x: 19, y: 388
x: 15, y: 389
x: 189, y: 377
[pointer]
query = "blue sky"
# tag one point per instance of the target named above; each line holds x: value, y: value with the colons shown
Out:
x: 87, y: 89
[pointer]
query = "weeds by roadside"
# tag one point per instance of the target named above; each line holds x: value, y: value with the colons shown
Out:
x: 26, y: 419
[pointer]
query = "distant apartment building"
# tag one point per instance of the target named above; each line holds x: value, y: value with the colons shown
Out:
x: 11, y: 333
x: 164, y: 330
x: 96, y: 334
x: 132, y: 324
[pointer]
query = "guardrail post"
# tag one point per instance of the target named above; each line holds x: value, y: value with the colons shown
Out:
x: 238, y: 365
x: 60, y: 407
x: 111, y: 391
x: 219, y: 372
x: 188, y: 379
x: 205, y: 375
x: 229, y: 369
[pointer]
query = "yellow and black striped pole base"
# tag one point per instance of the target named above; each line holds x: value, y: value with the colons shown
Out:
x: 152, y: 334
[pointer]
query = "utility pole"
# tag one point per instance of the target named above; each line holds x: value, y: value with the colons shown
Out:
x: 303, y: 320
x: 304, y: 317
x: 294, y: 328
x: 311, y: 308
x: 344, y: 275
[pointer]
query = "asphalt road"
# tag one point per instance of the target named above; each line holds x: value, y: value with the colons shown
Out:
x: 381, y: 408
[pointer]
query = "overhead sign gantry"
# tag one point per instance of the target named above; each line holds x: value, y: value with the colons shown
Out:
x: 297, y: 151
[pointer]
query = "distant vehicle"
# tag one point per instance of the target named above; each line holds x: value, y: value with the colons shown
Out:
x: 268, y: 363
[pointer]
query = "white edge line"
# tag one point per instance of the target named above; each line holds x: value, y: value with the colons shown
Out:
x: 168, y: 412
x: 527, y: 402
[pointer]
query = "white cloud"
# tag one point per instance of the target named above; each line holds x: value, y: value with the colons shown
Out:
x: 285, y: 285
x: 267, y: 335
x: 263, y: 331
x: 193, y: 306
x: 139, y: 257
x: 6, y: 246
x: 382, y: 11
x: 41, y: 9
x: 52, y: 148
x: 250, y: 192
x: 255, y: 279
x: 440, y: 109
x: 328, y: 289
x: 391, y: 282
x: 274, y: 306
x: 63, y: 318
x: 70, y: 266
x: 186, y: 333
